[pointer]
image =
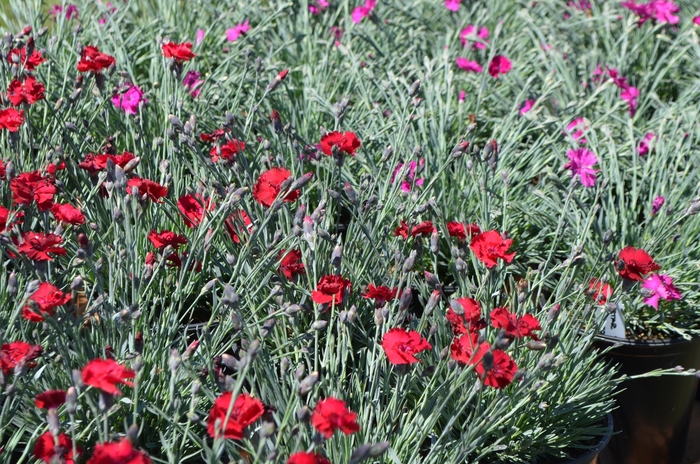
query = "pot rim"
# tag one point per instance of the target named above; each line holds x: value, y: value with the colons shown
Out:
x: 631, y: 342
x: 591, y: 454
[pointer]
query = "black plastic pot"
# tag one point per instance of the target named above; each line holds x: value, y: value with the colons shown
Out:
x: 653, y: 414
x: 589, y: 457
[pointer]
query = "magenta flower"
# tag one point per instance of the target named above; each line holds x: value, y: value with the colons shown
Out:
x: 193, y: 82
x: 657, y: 204
x: 469, y: 66
x: 71, y: 11
x: 581, y: 163
x: 361, y: 12
x: 581, y: 5
x: 577, y: 128
x: 319, y: 6
x: 696, y: 20
x: 468, y: 32
x: 660, y: 286
x: 130, y: 100
x: 452, y: 5
x: 236, y: 31
x: 527, y: 106
x: 597, y: 74
x: 462, y: 96
x: 200, y: 36
x: 630, y: 95
x: 643, y: 147
x: 412, y: 166
x: 618, y: 80
x: 499, y: 65
x: 660, y: 10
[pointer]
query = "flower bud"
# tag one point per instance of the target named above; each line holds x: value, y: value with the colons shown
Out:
x: 71, y: 400
x: 319, y: 325
x: 174, y: 361
x: 308, y: 383
x: 378, y: 449
x: 405, y: 299
x: 230, y: 297
x: 535, y: 345
x: 12, y: 284
x: 432, y: 302
x: 434, y: 242
x: 105, y: 401
x: 303, y: 414
x: 350, y: 193
x: 284, y: 366
x: 410, y: 261
x: 360, y: 454
x: 415, y: 87
x: 54, y: 422
x: 337, y: 256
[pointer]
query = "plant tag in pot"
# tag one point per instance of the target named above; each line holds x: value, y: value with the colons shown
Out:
x: 614, y: 325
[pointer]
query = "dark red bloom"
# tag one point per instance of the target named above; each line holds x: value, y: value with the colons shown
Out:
x: 162, y: 239
x: 423, y: 229
x: 380, y: 294
x: 5, y: 222
x: 105, y: 374
x: 290, y: 264
x: 28, y: 91
x: 96, y: 163
x: 179, y: 51
x: 515, y: 326
x: 347, y: 142
x: 246, y: 410
x: 45, y: 300
x: 461, y: 231
x: 332, y: 414
x: 118, y: 453
x: 269, y: 185
x: 633, y: 263
x: 32, y: 186
x: 92, y: 59
x: 466, y: 349
x: 227, y: 151
x: 50, y: 399
x: 13, y: 353
x: 232, y: 222
x: 307, y: 458
x: 401, y: 345
x: 599, y: 291
x: 11, y: 119
x: 470, y: 321
x: 46, y: 449
x: 331, y: 290
x: 38, y: 245
x: 19, y: 57
x: 152, y: 190
x: 68, y: 214
x: 213, y: 137
x: 490, y: 246
x: 501, y: 373
x: 194, y: 207
x: 499, y: 65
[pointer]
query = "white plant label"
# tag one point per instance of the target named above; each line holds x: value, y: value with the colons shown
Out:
x: 614, y: 325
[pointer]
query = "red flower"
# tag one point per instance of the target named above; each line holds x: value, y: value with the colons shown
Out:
x: 52, y: 168
x: 47, y: 298
x: 29, y: 91
x: 290, y: 264
x: 269, y: 184
x: 347, y: 142
x: 501, y: 373
x: 95, y: 163
x: 91, y: 59
x: 466, y: 348
x: 13, y: 353
x: 118, y: 453
x: 331, y: 289
x: 246, y: 410
x: 3, y: 170
x: 162, y: 239
x: 105, y: 374
x: 213, y: 137
x: 332, y: 414
x: 232, y: 221
x: 470, y: 321
x: 47, y: 451
x: 193, y: 207
x: 459, y: 230
x: 180, y: 52
x: 38, y: 245
x: 68, y: 214
x: 599, y: 291
x: 634, y: 263
x: 31, y: 186
x: 19, y: 56
x: 152, y: 190
x: 307, y: 458
x: 380, y: 294
x: 228, y: 151
x: 11, y: 119
x: 401, y: 345
x: 424, y: 229
x: 50, y: 399
x: 5, y: 216
x: 499, y: 65
x: 515, y: 326
x: 490, y: 246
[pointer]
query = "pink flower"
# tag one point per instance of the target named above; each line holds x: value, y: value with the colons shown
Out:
x: 235, y: 32
x: 319, y: 6
x: 581, y: 163
x: 130, y: 100
x: 660, y: 286
x: 71, y: 11
x: 618, y: 80
x: 361, y: 12
x: 468, y: 31
x: 452, y: 5
x: 499, y: 65
x: 406, y: 184
x: 663, y: 11
x: 643, y: 147
x: 200, y: 36
x: 527, y: 106
x: 577, y: 128
x: 597, y: 74
x: 630, y: 95
x: 469, y: 66
x: 657, y: 204
x: 462, y: 96
x: 193, y: 82
x: 696, y: 20
x: 581, y: 5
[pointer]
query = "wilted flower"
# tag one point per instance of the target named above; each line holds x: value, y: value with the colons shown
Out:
x: 318, y: 6
x: 630, y: 95
x: 193, y: 82
x: 407, y: 184
x: 290, y: 264
x: 599, y: 291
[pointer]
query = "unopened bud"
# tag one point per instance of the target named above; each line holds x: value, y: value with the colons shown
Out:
x: 308, y: 383
x: 405, y: 299
x: 12, y: 284
x: 319, y: 325
x: 337, y: 256
x: 410, y: 261
x: 350, y: 193
x: 415, y: 87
